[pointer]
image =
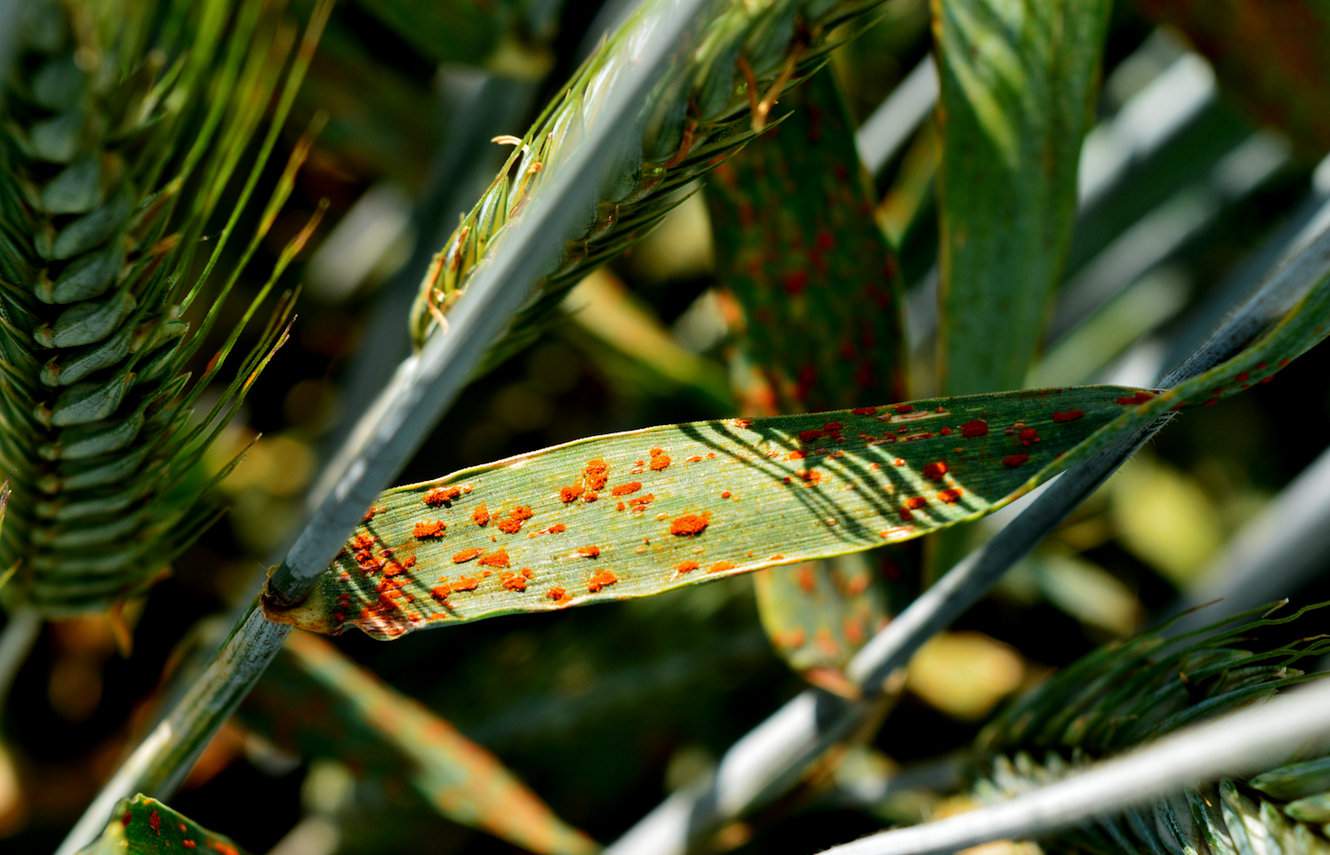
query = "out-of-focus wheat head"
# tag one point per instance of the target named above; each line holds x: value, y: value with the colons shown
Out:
x: 123, y: 122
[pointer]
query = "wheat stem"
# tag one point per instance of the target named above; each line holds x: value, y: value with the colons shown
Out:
x: 1239, y: 742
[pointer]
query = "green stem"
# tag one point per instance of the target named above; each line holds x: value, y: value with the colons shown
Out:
x: 15, y: 643
x: 168, y: 752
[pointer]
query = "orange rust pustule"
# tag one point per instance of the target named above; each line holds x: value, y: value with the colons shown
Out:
x: 498, y: 558
x: 951, y: 496
x: 686, y: 567
x: 601, y: 580
x: 467, y: 555
x: 626, y: 489
x: 513, y: 582
x: 596, y: 474
x: 441, y: 496
x: 690, y: 525
x: 721, y: 566
x: 558, y: 595
x: 571, y: 493
x: 429, y: 529
x: 936, y: 470
x: 660, y: 461
x: 589, y: 551
x: 481, y: 515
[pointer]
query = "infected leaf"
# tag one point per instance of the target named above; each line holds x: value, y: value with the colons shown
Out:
x: 802, y: 487
x: 144, y: 826
x: 819, y: 324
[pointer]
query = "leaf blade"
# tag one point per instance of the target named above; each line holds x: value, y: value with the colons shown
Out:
x: 707, y: 503
x: 145, y: 826
x: 821, y: 326
x: 1013, y: 120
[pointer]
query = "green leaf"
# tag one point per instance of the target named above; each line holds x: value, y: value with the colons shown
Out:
x: 1274, y: 63
x: 321, y: 704
x: 642, y: 512
x: 144, y: 826
x: 820, y: 327
x: 1018, y: 80
x: 761, y: 493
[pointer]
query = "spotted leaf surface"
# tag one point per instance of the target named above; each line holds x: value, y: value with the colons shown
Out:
x: 707, y: 500
x: 639, y: 513
x: 1018, y: 79
x: 817, y: 300
x: 317, y: 702
x: 144, y: 826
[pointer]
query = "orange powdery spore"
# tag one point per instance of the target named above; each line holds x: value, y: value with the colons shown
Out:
x: 481, y: 515
x: 369, y: 515
x: 515, y: 582
x: 936, y: 470
x: 1011, y: 461
x: 440, y: 496
x: 690, y: 525
x: 660, y: 461
x: 362, y: 542
x: 725, y: 494
x: 466, y: 583
x: 558, y: 595
x: 601, y: 580
x: 589, y: 551
x: 498, y: 558
x: 950, y: 497
x: 626, y: 489
x: 1067, y: 415
x: 686, y: 567
x: 696, y: 458
x: 721, y: 566
x: 914, y: 503
x: 467, y: 555
x: 571, y: 493
x: 429, y: 530
x: 596, y: 474
x: 557, y: 528
x: 795, y: 455
x: 512, y: 524
x: 640, y: 503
